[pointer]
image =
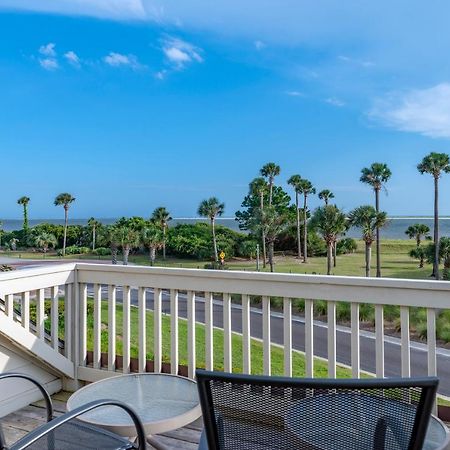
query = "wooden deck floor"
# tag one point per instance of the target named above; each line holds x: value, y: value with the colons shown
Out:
x: 19, y: 423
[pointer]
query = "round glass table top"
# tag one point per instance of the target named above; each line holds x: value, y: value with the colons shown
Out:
x: 161, y: 399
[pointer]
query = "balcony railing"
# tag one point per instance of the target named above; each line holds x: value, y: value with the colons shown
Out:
x: 67, y: 290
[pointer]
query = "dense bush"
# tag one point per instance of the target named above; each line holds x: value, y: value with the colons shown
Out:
x: 75, y: 250
x: 346, y: 245
x: 102, y: 251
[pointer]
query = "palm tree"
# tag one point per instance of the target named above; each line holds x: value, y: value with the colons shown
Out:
x: 152, y: 237
x: 212, y: 209
x: 417, y: 232
x: 306, y: 188
x: 162, y: 217
x: 65, y: 200
x: 294, y: 181
x: 419, y: 253
x: 114, y: 238
x: 45, y: 240
x: 270, y: 171
x: 274, y: 224
x: 435, y: 164
x: 376, y: 176
x: 369, y: 220
x: 93, y: 225
x: 325, y: 195
x: 329, y: 221
x: 259, y: 187
x: 24, y: 202
x: 129, y: 239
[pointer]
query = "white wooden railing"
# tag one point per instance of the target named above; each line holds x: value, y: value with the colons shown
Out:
x: 133, y: 286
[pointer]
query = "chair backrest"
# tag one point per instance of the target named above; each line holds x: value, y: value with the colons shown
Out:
x: 260, y: 412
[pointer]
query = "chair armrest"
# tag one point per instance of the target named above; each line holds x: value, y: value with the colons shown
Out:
x: 40, y: 432
x: 45, y: 394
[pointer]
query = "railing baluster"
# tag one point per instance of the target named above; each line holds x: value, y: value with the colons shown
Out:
x: 54, y: 316
x: 405, y: 341
x: 309, y: 338
x: 355, y: 346
x: 431, y: 341
x: 68, y: 321
x: 191, y: 333
x: 331, y: 319
x: 246, y: 339
x: 379, y: 340
x: 40, y: 314
x: 97, y: 326
x: 209, y: 337
x: 287, y: 338
x: 174, y: 331
x: 126, y: 328
x: 111, y: 327
x: 142, y: 307
x: 227, y: 351
x: 9, y: 307
x: 266, y: 335
x: 83, y: 323
x: 157, y: 329
x: 25, y: 310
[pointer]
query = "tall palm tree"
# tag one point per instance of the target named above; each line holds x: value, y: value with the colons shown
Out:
x: 258, y: 187
x: 212, y: 208
x: 295, y: 181
x: 93, y: 225
x: 274, y: 224
x: 65, y: 200
x: 369, y: 220
x: 306, y: 188
x: 376, y: 176
x: 417, y: 232
x: 152, y: 237
x: 24, y: 202
x: 162, y: 217
x: 129, y: 239
x: 325, y: 195
x: 114, y: 238
x: 45, y: 240
x: 270, y: 171
x: 329, y: 221
x: 435, y: 164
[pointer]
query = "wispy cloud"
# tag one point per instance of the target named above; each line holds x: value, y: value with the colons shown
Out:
x: 72, y: 58
x: 355, y: 61
x: 423, y: 111
x: 259, y: 45
x: 114, y: 59
x: 295, y: 93
x: 48, y: 49
x: 48, y: 63
x: 48, y: 60
x: 334, y: 101
x: 179, y: 53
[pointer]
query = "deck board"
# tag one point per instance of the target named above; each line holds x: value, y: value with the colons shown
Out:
x: 19, y: 423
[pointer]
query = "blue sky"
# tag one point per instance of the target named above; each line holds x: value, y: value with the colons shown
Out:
x: 133, y: 104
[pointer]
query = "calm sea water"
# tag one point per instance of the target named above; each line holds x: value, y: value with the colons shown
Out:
x: 395, y: 229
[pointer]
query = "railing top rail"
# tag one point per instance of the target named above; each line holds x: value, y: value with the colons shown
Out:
x: 37, y: 271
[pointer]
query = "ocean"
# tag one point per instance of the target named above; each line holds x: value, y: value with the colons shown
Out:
x: 395, y: 229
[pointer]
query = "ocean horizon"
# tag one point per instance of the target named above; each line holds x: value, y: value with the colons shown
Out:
x: 395, y: 228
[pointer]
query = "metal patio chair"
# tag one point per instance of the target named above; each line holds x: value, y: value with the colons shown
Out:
x: 67, y: 433
x: 261, y: 412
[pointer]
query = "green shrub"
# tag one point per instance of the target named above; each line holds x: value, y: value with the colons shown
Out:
x: 102, y: 251
x: 75, y: 250
x: 346, y: 245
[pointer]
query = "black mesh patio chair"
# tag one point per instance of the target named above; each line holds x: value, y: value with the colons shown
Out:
x: 67, y: 433
x: 245, y: 412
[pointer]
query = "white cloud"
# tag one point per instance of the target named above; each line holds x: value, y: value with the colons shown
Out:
x: 161, y: 74
x: 179, y: 53
x: 259, y: 45
x: 72, y: 58
x: 356, y: 62
x: 295, y: 93
x: 49, y: 63
x: 119, y: 60
x: 423, y: 111
x: 48, y: 50
x: 334, y: 101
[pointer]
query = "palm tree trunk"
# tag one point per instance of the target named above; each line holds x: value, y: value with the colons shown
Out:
x: 263, y: 234
x: 216, y: 256
x: 305, y: 231
x: 334, y: 252
x: 113, y: 254
x: 436, y: 229
x: 377, y: 207
x: 126, y: 253
x: 93, y: 238
x: 299, y: 243
x: 66, y: 221
x: 368, y: 258
x: 164, y: 242
x: 421, y: 263
x: 270, y: 192
x: 152, y: 255
x: 418, y: 240
x: 271, y: 245
x: 329, y: 257
x: 25, y: 217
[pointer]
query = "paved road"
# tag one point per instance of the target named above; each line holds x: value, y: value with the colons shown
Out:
x: 367, y: 339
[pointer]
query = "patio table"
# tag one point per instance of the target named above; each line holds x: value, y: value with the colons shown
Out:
x: 345, y: 420
x: 164, y: 402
